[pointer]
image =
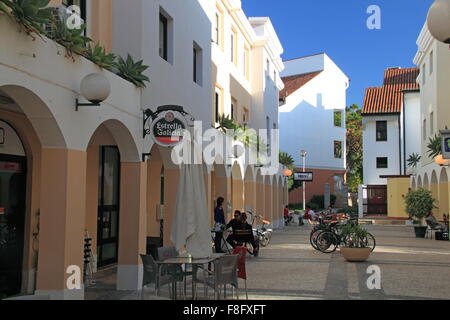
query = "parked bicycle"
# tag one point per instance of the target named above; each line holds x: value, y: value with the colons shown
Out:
x: 264, y: 234
x: 327, y: 241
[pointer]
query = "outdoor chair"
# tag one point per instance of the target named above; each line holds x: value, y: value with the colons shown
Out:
x: 224, y: 273
x: 432, y: 228
x: 175, y: 271
x: 241, y: 270
x: 152, y: 275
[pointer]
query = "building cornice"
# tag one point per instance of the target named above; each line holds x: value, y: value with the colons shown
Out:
x: 424, y: 41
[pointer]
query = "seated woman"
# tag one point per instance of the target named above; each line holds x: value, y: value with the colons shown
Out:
x: 433, y: 223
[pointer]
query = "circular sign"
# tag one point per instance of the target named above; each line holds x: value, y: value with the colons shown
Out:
x: 168, y: 128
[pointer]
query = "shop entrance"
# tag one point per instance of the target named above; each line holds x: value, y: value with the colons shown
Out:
x: 108, y: 206
x: 12, y: 221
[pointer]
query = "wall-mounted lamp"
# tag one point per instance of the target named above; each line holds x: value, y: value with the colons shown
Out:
x: 438, y: 20
x: 439, y: 160
x: 95, y: 88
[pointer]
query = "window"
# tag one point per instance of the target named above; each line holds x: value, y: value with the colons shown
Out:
x: 424, y: 129
x: 163, y: 37
x: 338, y: 118
x: 338, y: 149
x: 216, y: 32
x: 198, y: 64
x: 246, y: 63
x: 381, y: 130
x: 233, y: 52
x: 245, y: 116
x: 431, y: 62
x: 233, y: 108
x: 431, y: 123
x: 423, y: 74
x: 382, y: 163
x: 218, y: 104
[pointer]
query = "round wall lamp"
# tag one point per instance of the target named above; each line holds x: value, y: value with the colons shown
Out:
x: 95, y: 88
x: 439, y: 160
x: 438, y: 20
x: 287, y: 173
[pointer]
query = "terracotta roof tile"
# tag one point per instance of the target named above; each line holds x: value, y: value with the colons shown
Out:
x: 389, y: 97
x: 293, y: 83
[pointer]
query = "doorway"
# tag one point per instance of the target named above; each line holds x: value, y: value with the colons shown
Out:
x: 108, y: 206
x: 377, y: 200
x: 12, y: 222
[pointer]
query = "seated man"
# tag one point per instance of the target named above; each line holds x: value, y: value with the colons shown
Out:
x: 234, y: 224
x: 433, y: 223
x: 247, y: 226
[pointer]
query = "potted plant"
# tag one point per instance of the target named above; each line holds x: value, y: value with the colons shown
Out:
x: 356, y: 245
x: 418, y: 204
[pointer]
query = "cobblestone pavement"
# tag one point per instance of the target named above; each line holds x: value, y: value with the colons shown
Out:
x: 411, y: 268
x: 290, y: 269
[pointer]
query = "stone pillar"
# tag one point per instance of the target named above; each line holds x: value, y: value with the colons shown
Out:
x: 268, y: 214
x: 327, y: 195
x: 250, y: 196
x: 62, y: 222
x: 132, y: 225
x: 260, y: 203
x: 153, y: 197
x: 238, y: 195
x: 275, y: 207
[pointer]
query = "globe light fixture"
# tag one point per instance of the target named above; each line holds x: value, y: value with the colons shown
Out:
x: 438, y: 20
x: 95, y: 88
x: 439, y: 160
x: 287, y: 173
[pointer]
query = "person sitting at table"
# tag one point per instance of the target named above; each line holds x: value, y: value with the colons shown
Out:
x: 246, y: 226
x: 234, y: 224
x: 433, y: 223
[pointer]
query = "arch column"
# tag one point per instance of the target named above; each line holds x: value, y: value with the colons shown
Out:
x: 268, y: 193
x: 62, y: 221
x: 250, y: 195
x: 238, y: 194
x: 132, y: 225
x: 275, y: 206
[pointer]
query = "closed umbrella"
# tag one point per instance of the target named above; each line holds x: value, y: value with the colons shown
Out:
x: 190, y: 228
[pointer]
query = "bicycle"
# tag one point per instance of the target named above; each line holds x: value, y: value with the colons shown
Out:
x: 265, y: 234
x: 328, y: 240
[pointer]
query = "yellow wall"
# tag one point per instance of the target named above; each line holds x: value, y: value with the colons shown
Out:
x: 397, y: 189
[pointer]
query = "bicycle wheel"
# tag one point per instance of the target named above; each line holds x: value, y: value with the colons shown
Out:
x: 370, y: 241
x: 327, y: 242
x: 313, y: 237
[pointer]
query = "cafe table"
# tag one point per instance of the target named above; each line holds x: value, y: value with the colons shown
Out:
x: 195, y: 263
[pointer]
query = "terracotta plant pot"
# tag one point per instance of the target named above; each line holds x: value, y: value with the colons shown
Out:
x: 356, y: 254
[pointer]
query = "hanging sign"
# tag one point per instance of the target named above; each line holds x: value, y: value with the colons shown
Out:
x: 445, y: 144
x: 167, y: 128
x: 304, y: 176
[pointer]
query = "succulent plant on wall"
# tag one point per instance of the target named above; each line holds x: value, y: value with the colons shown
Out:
x: 30, y: 14
x: 99, y: 56
x: 132, y: 71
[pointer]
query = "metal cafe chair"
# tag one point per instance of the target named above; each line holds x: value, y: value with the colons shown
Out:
x: 175, y: 270
x: 224, y: 273
x: 152, y: 275
x: 241, y: 270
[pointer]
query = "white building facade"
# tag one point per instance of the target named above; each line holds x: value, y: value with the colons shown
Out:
x: 312, y: 118
x: 391, y: 116
x: 433, y: 59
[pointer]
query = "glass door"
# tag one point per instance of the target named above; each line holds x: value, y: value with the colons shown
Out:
x: 108, y: 206
x: 12, y: 221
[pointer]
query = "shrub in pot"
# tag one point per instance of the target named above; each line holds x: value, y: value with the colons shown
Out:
x: 419, y: 203
x: 356, y: 246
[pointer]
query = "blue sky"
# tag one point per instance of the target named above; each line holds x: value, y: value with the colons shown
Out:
x: 339, y: 28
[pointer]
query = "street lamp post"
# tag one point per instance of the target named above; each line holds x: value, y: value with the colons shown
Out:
x: 438, y: 20
x: 303, y: 154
